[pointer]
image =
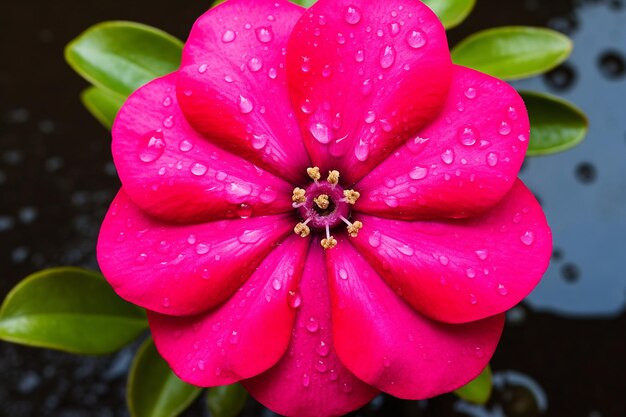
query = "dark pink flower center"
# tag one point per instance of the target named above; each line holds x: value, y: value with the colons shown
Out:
x: 338, y: 208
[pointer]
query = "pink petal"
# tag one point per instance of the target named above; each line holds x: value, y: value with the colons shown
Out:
x: 365, y: 75
x: 172, y: 172
x: 462, y: 270
x: 181, y: 269
x: 459, y: 165
x: 391, y: 346
x: 232, y: 83
x: 244, y: 336
x: 310, y: 381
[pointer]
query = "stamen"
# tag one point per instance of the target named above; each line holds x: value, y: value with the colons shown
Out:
x: 314, y: 173
x: 302, y: 229
x: 330, y: 242
x: 299, y: 195
x: 353, y: 230
x: 322, y: 201
x: 351, y: 196
x: 333, y: 177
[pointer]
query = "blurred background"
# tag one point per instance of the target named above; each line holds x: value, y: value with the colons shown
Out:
x: 563, y: 350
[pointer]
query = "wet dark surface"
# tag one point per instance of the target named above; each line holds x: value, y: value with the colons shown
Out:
x: 562, y: 353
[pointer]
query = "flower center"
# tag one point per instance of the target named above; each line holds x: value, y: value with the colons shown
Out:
x: 324, y: 205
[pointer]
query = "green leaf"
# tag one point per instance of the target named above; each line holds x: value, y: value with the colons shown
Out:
x: 69, y: 309
x: 120, y: 57
x: 304, y: 3
x: 451, y: 12
x: 102, y: 105
x: 227, y: 400
x: 555, y: 124
x: 153, y: 389
x: 479, y: 390
x: 513, y: 52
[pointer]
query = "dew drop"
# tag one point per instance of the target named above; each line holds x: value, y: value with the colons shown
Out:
x: 268, y: 195
x: 502, y: 290
x: 387, y: 56
x: 527, y: 238
x: 504, y: 129
x: 168, y: 122
x: 394, y: 28
x: 470, y: 273
x: 202, y: 68
x: 321, y: 366
x: 406, y: 250
x: 277, y: 285
x: 244, y: 211
x: 166, y: 302
x: 468, y: 135
x: 228, y: 36
x: 306, y: 380
x: 362, y: 151
x: 272, y: 73
x: 352, y: 15
x: 473, y: 299
x: 259, y: 141
x: 444, y: 260
x: 167, y: 101
x: 202, y: 249
x: 245, y: 105
x: 323, y: 349
x: 312, y: 325
x: 250, y: 236
x: 470, y: 93
x: 198, y: 169
x: 185, y: 145
x: 418, y: 173
x: 154, y: 148
x: 367, y: 87
x: 264, y: 34
x: 482, y: 254
x: 141, y: 259
x: 234, y: 337
x: 447, y: 156
x: 343, y: 274
x: 294, y: 299
x: 391, y: 201
x: 320, y: 132
x: 370, y: 117
x: 255, y: 64
x: 359, y: 56
x: 416, y: 39
x: 492, y: 159
x: 374, y: 239
x: 201, y: 365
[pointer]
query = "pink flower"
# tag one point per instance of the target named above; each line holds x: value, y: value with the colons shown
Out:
x: 409, y: 295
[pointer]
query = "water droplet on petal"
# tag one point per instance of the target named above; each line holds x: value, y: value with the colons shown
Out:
x: 394, y: 28
x: 528, y: 238
x: 504, y: 129
x: 502, y: 290
x: 492, y: 159
x: 406, y: 250
x: 343, y: 274
x: 470, y: 93
x: 168, y: 122
x: 202, y: 249
x: 320, y: 132
x: 264, y: 34
x: 154, y: 147
x: 255, y: 64
x: 470, y: 273
x: 473, y: 299
x: 259, y: 141
x: 444, y: 260
x: 167, y: 101
x: 244, y: 211
x: 370, y: 117
x: 245, y: 105
x: 416, y: 39
x: 166, y: 302
x: 447, y: 156
x: 312, y: 325
x: 367, y: 87
x: 234, y: 338
x: 202, y: 68
x: 468, y: 135
x: 228, y: 36
x: 198, y: 169
x: 272, y: 73
x: 323, y: 349
x: 185, y: 145
x: 352, y: 15
x: 362, y: 151
x: 141, y: 259
x: 418, y: 173
x: 294, y: 299
x: 374, y: 239
x: 387, y: 56
x: 306, y: 380
x: 482, y: 254
x: 359, y: 56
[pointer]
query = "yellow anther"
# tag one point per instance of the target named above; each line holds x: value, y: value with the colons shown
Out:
x: 302, y: 229
x: 322, y: 201
x: 314, y: 173
x: 298, y: 195
x: 333, y: 177
x: 353, y: 229
x: 351, y: 196
x: 329, y: 242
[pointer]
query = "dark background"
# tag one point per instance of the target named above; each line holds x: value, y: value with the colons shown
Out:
x: 57, y: 179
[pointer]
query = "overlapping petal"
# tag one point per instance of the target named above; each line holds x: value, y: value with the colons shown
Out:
x: 459, y: 165
x: 244, y: 336
x: 172, y: 172
x: 391, y: 346
x: 458, y: 271
x: 232, y: 83
x: 181, y: 269
x: 364, y: 75
x: 310, y: 380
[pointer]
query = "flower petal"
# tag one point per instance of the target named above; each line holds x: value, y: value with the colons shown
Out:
x: 461, y: 164
x: 310, y: 381
x: 173, y: 173
x: 181, y: 270
x: 391, y: 346
x: 365, y: 75
x: 462, y: 270
x: 244, y: 336
x: 232, y: 83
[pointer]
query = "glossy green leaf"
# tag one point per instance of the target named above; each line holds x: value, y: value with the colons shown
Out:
x: 479, y: 390
x: 451, y: 12
x: 227, y: 401
x: 69, y: 309
x: 555, y: 124
x: 304, y: 3
x: 102, y: 105
x: 153, y: 390
x: 513, y: 52
x: 122, y: 56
